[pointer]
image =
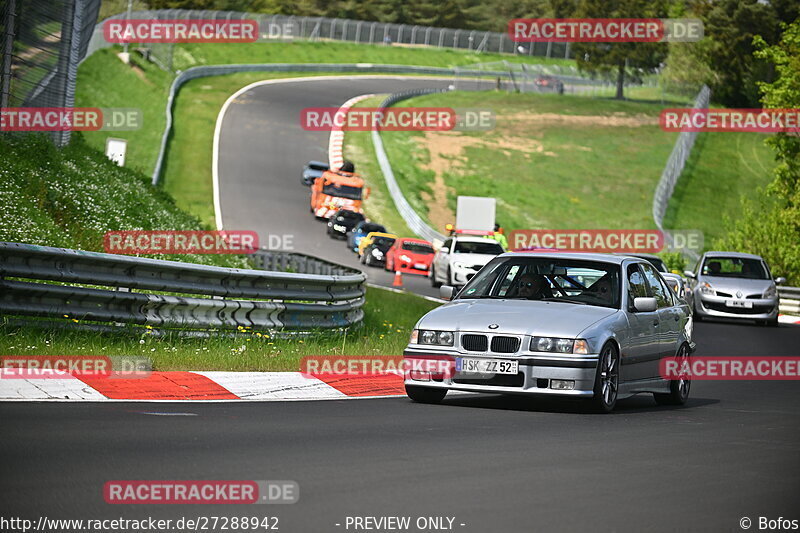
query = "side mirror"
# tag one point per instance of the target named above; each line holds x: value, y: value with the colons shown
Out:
x: 689, y: 274
x: 446, y: 292
x: 444, y: 250
x: 780, y: 280
x: 645, y: 305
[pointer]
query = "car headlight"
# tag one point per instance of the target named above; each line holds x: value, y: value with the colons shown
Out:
x: 459, y: 264
x: 405, y: 258
x: 377, y: 253
x: 432, y: 337
x: 559, y: 345
x: 706, y: 288
x: 771, y: 292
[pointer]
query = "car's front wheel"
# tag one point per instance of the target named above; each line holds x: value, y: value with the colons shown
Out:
x: 425, y: 394
x: 678, y: 388
x: 606, y: 381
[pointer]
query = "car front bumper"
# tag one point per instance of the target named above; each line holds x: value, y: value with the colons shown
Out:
x: 411, y: 268
x: 535, y: 376
x: 461, y: 275
x: 714, y: 306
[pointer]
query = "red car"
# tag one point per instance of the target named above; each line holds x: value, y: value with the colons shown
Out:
x: 410, y: 256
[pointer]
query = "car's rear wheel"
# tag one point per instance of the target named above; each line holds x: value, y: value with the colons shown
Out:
x: 606, y: 381
x: 678, y: 388
x: 434, y: 282
x: 425, y: 394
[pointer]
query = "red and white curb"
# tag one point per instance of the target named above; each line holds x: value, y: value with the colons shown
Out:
x: 788, y: 319
x: 204, y: 386
x: 336, y: 140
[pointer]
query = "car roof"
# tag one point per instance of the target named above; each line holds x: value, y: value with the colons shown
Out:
x: 639, y: 256
x: 381, y: 234
x: 411, y: 239
x: 741, y: 255
x: 584, y: 256
x: 471, y: 238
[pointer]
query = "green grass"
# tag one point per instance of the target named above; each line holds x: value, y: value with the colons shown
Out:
x: 545, y: 173
x: 189, y: 55
x: 71, y: 197
x: 723, y: 167
x: 105, y: 81
x: 250, y: 352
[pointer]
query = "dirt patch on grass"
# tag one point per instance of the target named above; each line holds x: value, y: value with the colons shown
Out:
x: 614, y: 120
x: 446, y: 149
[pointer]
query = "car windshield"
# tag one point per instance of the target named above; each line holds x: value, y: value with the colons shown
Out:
x: 372, y: 228
x: 418, y: 248
x: 478, y: 247
x: 548, y: 279
x: 348, y: 216
x: 734, y: 267
x: 658, y: 263
x: 317, y: 166
x: 342, y: 191
x: 383, y: 243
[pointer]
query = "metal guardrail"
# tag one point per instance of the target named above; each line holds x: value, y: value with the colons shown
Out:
x: 319, y: 295
x: 411, y: 218
x: 674, y: 167
x: 354, y: 31
x: 220, y: 70
x: 789, y: 300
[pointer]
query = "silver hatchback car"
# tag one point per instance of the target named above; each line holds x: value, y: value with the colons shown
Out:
x: 592, y: 326
x: 734, y: 285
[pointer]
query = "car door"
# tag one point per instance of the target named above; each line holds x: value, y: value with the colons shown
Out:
x: 668, y: 319
x: 644, y: 343
x: 672, y: 322
x: 442, y: 261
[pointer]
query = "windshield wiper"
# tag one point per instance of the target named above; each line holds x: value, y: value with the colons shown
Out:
x: 565, y: 300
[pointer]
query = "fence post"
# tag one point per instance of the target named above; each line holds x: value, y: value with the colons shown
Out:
x: 8, y: 48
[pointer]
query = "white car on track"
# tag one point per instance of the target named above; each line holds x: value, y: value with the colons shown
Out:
x: 460, y: 258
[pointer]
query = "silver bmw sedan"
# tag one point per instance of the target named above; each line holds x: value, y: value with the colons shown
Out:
x: 593, y: 326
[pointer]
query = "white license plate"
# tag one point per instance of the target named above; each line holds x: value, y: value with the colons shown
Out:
x: 420, y: 266
x: 472, y: 365
x: 739, y: 303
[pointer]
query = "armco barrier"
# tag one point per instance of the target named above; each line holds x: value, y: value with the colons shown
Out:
x: 316, y: 295
x: 790, y: 300
x: 411, y: 218
x: 219, y: 70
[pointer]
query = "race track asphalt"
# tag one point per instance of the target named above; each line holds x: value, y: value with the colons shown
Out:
x: 494, y: 464
x: 263, y: 149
